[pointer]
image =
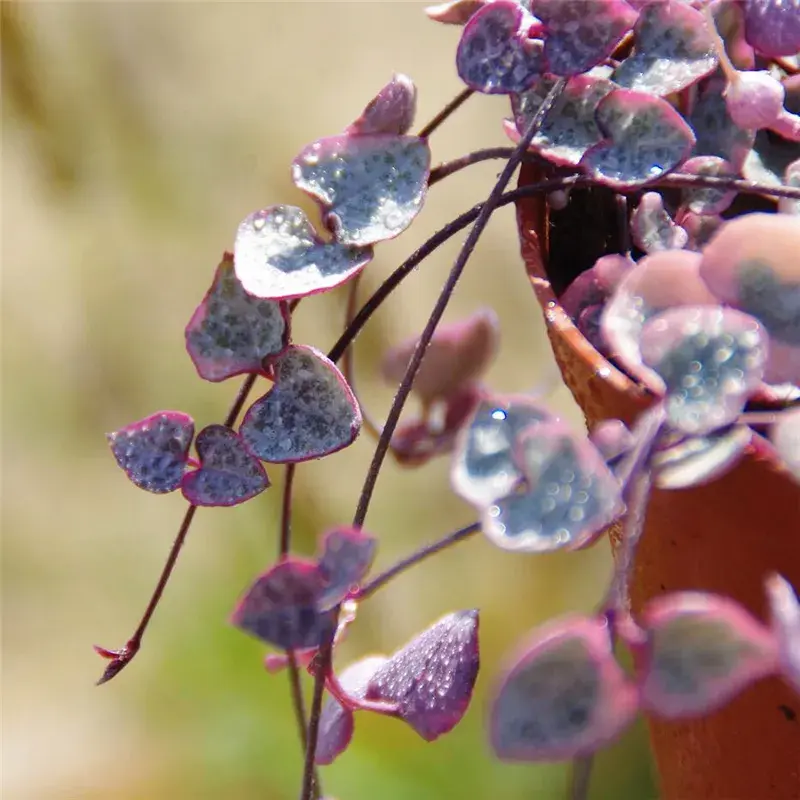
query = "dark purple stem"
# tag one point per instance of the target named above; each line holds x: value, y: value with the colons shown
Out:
x: 428, y: 550
x: 452, y: 106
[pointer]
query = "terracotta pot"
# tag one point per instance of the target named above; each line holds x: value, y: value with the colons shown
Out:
x: 724, y: 537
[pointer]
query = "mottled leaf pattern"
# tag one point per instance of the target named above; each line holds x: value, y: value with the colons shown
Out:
x: 653, y: 229
x: 773, y: 26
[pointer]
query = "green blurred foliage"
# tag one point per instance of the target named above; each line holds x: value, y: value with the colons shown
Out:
x: 135, y: 138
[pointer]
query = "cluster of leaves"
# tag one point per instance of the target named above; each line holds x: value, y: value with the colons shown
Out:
x: 702, y: 310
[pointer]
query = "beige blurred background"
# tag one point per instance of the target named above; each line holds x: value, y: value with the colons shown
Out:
x: 136, y: 136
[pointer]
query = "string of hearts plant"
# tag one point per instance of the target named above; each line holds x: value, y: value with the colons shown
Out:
x: 700, y: 305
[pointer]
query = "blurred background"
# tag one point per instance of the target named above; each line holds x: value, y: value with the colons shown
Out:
x: 136, y: 136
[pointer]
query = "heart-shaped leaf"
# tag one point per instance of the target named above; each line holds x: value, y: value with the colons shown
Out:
x: 431, y: 679
x: 701, y: 650
x: 278, y: 256
x: 309, y: 413
x: 653, y: 229
x: 710, y: 359
x: 708, y: 200
x: 785, y: 436
x: 752, y: 264
x: 483, y: 467
x: 232, y: 332
x: 674, y: 49
x: 495, y: 54
x: 565, y: 696
x: 281, y: 607
x: 696, y: 460
x: 569, y: 497
x: 772, y: 27
x: 229, y: 474
x: 371, y: 186
x: 569, y: 128
x: 345, y: 558
x: 154, y: 450
x: 645, y: 139
x: 390, y: 111
x: 580, y: 34
x: 785, y: 623
x: 336, y: 722
x: 659, y: 281
x: 458, y: 354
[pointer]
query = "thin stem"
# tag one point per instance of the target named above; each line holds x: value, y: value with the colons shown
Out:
x: 121, y: 658
x: 447, y: 168
x: 452, y: 106
x: 441, y: 304
x: 428, y: 550
x: 759, y: 418
x: 298, y: 701
x: 323, y: 666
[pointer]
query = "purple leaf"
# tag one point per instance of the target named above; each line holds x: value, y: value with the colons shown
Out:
x: 701, y: 651
x: 653, y: 229
x: 229, y: 474
x: 612, y: 439
x: 154, y: 450
x: 754, y: 99
x: 580, y: 34
x: 278, y: 256
x: 569, y: 497
x: 594, y: 286
x: 390, y: 111
x: 345, y: 559
x: 281, y: 607
x: 309, y: 413
x: 785, y: 437
x: 785, y: 623
x: 752, y: 265
x: 569, y: 129
x: 336, y: 722
x: 710, y: 359
x: 483, y: 467
x: 674, y: 49
x: 659, y: 281
x: 769, y: 159
x: 371, y: 186
x: 431, y: 679
x: 772, y: 27
x: 495, y: 54
x: 708, y: 200
x: 459, y: 353
x: 645, y: 139
x: 232, y: 332
x: 565, y: 696
x: 696, y: 460
x: 699, y: 228
x: 716, y: 133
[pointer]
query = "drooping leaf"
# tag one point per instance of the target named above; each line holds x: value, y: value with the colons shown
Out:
x: 278, y: 256
x: 696, y: 460
x: 495, y: 54
x: 371, y: 186
x: 565, y: 696
x: 229, y: 473
x: 653, y: 229
x: 772, y: 27
x: 674, y: 48
x: 659, y: 281
x: 345, y: 558
x: 431, y: 679
x: 336, y: 722
x: 645, y: 139
x: 785, y: 436
x: 580, y: 34
x: 701, y: 650
x: 569, y: 128
x: 281, y: 607
x: 710, y: 359
x: 154, y: 450
x: 785, y: 623
x: 708, y: 200
x: 569, y: 496
x: 309, y: 413
x: 390, y: 111
x: 459, y: 353
x: 483, y: 467
x: 232, y: 332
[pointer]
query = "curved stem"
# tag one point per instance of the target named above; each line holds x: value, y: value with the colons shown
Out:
x: 452, y: 106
